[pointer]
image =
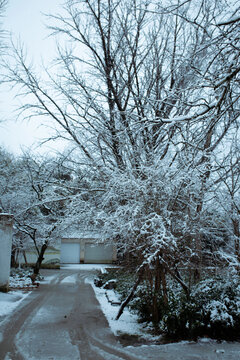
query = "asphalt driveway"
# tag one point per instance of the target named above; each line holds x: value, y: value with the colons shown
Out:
x: 61, y: 320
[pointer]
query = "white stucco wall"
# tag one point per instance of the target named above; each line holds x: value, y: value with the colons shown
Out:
x: 6, y: 225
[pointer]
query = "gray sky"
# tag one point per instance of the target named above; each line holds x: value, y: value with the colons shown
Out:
x: 25, y: 21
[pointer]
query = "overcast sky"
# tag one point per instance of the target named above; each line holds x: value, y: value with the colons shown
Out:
x: 25, y: 20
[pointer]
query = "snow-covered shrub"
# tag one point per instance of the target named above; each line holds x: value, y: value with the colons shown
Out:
x: 20, y: 278
x: 213, y: 309
x: 123, y: 279
x: 142, y: 303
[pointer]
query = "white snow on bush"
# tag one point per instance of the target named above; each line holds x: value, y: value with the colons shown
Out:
x: 17, y: 281
x: 219, y: 312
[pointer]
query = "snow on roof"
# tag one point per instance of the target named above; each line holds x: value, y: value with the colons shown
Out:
x: 83, y: 234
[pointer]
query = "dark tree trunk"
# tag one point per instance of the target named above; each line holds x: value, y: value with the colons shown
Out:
x: 13, y: 257
x: 164, y: 285
x: 155, y: 310
x: 24, y: 255
x: 130, y: 296
x: 38, y: 262
x: 236, y: 229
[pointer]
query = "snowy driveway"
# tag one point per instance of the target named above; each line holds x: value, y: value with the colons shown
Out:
x: 63, y: 320
x: 60, y: 320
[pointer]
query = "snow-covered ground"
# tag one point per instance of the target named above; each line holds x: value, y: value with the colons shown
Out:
x: 206, y: 349
x: 127, y: 323
x: 9, y: 301
x: 101, y: 267
x: 21, y: 286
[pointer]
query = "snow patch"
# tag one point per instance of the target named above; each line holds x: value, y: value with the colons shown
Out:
x: 128, y: 322
x: 185, y: 350
x: 9, y: 301
x: 17, y: 281
x: 87, y: 266
x: 70, y: 279
x: 48, y: 279
x: 7, y: 357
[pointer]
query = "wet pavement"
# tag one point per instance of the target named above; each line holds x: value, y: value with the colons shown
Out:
x: 60, y: 321
x: 63, y: 320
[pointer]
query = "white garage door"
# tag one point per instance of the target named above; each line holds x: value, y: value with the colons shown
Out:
x: 99, y: 253
x: 70, y: 253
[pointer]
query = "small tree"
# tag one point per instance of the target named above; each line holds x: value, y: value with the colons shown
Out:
x: 32, y: 191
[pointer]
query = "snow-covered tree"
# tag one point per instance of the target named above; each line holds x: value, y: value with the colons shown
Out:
x: 34, y: 191
x: 3, y: 4
x: 148, y: 95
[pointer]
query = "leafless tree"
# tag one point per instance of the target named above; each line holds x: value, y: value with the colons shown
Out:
x: 148, y: 92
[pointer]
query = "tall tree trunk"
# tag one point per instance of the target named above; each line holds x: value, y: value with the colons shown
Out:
x: 13, y: 258
x: 164, y: 285
x: 236, y: 230
x: 205, y: 160
x: 155, y: 310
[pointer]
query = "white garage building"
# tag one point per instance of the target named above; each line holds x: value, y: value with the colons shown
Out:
x: 87, y: 250
x: 81, y: 248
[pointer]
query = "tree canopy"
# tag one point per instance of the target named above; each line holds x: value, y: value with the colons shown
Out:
x: 147, y: 94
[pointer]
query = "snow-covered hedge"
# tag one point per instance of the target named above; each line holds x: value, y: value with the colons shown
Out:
x: 212, y: 308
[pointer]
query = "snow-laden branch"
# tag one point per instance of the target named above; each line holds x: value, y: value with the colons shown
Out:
x: 207, y: 108
x: 194, y: 116
x: 230, y: 21
x: 54, y: 200
x: 227, y: 78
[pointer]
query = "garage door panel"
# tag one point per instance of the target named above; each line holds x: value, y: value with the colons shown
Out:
x: 98, y: 253
x: 70, y: 253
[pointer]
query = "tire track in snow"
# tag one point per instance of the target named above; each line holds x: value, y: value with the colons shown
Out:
x: 64, y: 309
x: 90, y: 329
x: 21, y: 315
